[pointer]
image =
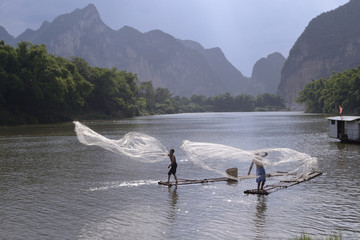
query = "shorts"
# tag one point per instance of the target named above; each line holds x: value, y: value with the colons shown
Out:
x: 173, y: 169
x: 260, y: 175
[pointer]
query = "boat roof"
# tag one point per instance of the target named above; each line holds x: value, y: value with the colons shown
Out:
x: 345, y: 118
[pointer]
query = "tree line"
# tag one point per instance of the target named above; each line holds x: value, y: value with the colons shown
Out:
x: 38, y: 87
x: 326, y: 95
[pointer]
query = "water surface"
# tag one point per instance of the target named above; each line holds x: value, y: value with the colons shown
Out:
x: 53, y: 187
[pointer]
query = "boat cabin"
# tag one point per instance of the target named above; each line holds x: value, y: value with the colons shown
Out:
x: 345, y: 128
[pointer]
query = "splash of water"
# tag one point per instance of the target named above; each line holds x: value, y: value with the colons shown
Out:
x: 218, y: 158
x: 115, y: 185
x: 135, y: 145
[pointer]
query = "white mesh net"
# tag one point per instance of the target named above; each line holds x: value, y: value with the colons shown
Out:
x: 137, y: 146
x: 218, y: 158
x: 210, y: 156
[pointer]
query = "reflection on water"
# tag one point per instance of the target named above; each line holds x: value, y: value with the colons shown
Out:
x: 174, y: 196
x: 260, y: 217
x: 53, y: 187
x: 172, y: 212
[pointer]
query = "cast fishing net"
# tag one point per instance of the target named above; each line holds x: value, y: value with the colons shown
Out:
x: 217, y: 158
x: 210, y: 156
x: 135, y: 145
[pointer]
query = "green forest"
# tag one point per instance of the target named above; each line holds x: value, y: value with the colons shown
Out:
x: 325, y: 95
x: 38, y: 87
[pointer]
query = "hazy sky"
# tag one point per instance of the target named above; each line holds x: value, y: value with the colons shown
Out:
x: 245, y: 30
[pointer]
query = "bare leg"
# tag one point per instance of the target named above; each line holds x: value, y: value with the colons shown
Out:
x: 168, y: 179
x: 258, y: 186
x: 262, y: 185
x: 175, y: 178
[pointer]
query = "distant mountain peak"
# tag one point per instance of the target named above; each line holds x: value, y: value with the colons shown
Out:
x: 88, y: 11
x: 4, y: 35
x: 192, y: 44
x: 267, y: 71
x: 86, y: 20
x: 90, y: 8
x: 128, y: 28
x: 89, y: 15
x: 216, y: 52
x: 184, y: 67
x: 3, y: 30
x: 160, y: 34
x: 45, y: 24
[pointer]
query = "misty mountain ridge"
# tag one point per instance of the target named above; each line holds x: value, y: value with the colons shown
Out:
x: 4, y: 35
x: 185, y: 67
x: 329, y: 44
x: 267, y: 72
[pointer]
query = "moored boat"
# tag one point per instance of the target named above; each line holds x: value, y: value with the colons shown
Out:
x: 345, y: 128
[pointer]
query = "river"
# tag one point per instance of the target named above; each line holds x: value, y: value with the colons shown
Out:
x: 54, y: 187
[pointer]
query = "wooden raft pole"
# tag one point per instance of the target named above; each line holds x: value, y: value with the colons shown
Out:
x: 283, y: 184
x: 231, y: 172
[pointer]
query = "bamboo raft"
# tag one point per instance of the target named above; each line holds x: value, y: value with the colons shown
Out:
x: 194, y: 181
x: 283, y: 184
x: 231, y: 178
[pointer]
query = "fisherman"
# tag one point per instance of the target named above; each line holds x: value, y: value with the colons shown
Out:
x: 260, y: 170
x: 172, y: 166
